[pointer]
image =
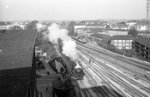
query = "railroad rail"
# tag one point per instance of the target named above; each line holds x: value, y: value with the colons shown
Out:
x: 116, y: 77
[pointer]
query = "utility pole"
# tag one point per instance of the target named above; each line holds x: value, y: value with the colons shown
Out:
x: 147, y: 15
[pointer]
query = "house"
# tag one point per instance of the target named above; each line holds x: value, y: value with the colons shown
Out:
x: 116, y: 32
x: 141, y: 27
x: 121, y: 41
x: 3, y: 25
x: 141, y: 45
x: 119, y: 26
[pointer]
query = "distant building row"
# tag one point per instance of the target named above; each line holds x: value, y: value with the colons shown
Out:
x: 139, y: 44
x: 13, y: 25
x: 113, y: 25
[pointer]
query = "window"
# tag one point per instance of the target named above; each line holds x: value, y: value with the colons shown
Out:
x: 120, y: 40
x: 115, y: 40
x: 123, y: 44
x: 115, y: 44
x: 127, y: 44
x: 130, y: 40
x: 120, y: 44
x: 127, y: 47
x: 119, y: 47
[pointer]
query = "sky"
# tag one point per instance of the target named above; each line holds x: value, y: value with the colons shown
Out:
x: 72, y: 9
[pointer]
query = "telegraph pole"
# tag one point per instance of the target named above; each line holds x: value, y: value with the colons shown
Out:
x: 147, y: 14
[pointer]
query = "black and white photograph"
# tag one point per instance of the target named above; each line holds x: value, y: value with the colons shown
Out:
x: 74, y: 48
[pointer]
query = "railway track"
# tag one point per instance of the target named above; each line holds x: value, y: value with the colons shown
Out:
x: 96, y: 90
x: 118, y: 57
x: 120, y: 79
x: 107, y: 90
x: 122, y: 64
x: 110, y: 92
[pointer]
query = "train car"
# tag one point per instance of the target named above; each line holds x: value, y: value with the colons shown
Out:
x: 76, y: 71
x: 67, y: 88
x: 84, y: 41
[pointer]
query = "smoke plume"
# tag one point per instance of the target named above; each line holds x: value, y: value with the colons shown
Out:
x: 40, y: 27
x: 68, y: 45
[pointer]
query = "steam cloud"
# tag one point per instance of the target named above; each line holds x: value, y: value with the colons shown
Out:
x: 68, y: 45
x: 40, y: 27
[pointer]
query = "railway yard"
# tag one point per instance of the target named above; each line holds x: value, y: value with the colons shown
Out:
x: 107, y: 74
x: 110, y: 75
x: 70, y: 68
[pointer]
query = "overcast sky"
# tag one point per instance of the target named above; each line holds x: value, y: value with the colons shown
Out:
x: 72, y: 9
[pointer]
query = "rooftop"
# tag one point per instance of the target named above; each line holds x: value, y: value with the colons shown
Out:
x: 142, y: 40
x: 16, y: 55
x: 121, y: 37
x: 4, y: 23
x: 16, y: 48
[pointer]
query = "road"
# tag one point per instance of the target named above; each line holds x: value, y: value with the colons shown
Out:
x: 112, y: 75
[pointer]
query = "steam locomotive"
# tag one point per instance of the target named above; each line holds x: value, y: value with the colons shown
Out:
x: 63, y: 69
x: 66, y: 74
x: 68, y: 88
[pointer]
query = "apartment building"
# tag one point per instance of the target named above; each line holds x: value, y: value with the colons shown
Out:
x: 121, y: 41
x: 142, y: 47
